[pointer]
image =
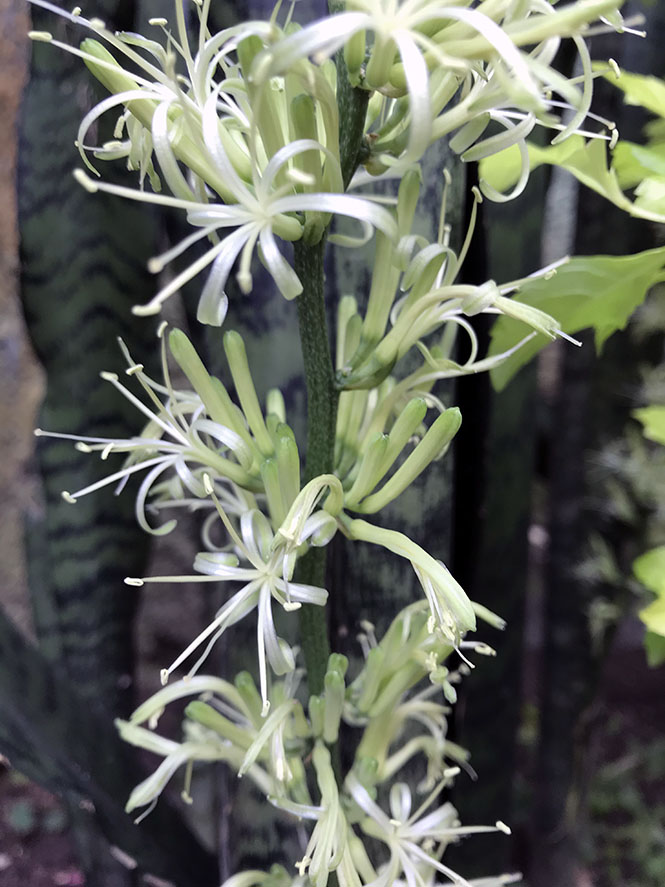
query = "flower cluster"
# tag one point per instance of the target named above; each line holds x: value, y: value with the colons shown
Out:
x: 243, y: 125
x: 243, y: 129
x: 227, y: 722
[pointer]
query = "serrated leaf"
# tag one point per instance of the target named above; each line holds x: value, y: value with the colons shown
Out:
x: 586, y: 160
x: 654, y: 647
x: 649, y: 569
x: 643, y: 91
x: 653, y: 420
x: 634, y: 163
x: 600, y: 292
x: 653, y: 616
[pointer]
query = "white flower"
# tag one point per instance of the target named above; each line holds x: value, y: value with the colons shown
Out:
x: 327, y: 849
x: 265, y: 574
x: 451, y: 611
x: 412, y: 837
x: 181, y: 441
x: 236, y: 139
x: 260, y: 213
x: 427, y: 50
x: 223, y: 724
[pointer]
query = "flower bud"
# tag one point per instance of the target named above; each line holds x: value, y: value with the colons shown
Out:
x: 288, y: 465
x: 407, y: 200
x: 272, y: 486
x: 114, y: 78
x: 404, y: 427
x: 242, y: 378
x: 316, y: 714
x: 354, y: 56
x: 333, y: 699
x: 338, y: 662
x: 382, y: 56
x: 275, y: 404
x: 430, y: 447
x: 209, y: 717
x: 372, y: 676
x: 369, y: 473
x: 215, y: 398
x: 250, y: 696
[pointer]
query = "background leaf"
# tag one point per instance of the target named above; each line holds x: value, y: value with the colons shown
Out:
x: 654, y: 645
x: 653, y: 420
x: 650, y: 570
x: 589, y: 291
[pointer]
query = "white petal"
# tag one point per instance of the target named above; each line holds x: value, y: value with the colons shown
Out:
x: 360, y: 208
x: 168, y: 164
x: 288, y: 282
x: 417, y: 83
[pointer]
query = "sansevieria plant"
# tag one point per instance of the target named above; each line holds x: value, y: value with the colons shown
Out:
x: 270, y: 138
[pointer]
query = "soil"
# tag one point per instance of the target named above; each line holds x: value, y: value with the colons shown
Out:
x: 35, y: 849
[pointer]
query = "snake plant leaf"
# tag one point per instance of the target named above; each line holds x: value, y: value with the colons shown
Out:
x: 83, y: 267
x: 600, y: 292
x: 56, y: 737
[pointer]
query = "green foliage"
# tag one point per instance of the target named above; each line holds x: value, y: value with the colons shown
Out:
x: 630, y: 165
x: 650, y: 570
x: 627, y: 826
x: 653, y: 420
x: 600, y: 292
x: 588, y: 162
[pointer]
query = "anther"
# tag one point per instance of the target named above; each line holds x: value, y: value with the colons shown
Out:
x: 85, y: 181
x: 68, y: 497
x: 145, y: 310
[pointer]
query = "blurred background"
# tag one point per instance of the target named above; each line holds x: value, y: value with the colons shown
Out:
x: 552, y: 494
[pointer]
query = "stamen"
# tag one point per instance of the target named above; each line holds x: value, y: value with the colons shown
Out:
x: 568, y: 338
x: 185, y: 794
x: 169, y: 428
x: 146, y: 812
